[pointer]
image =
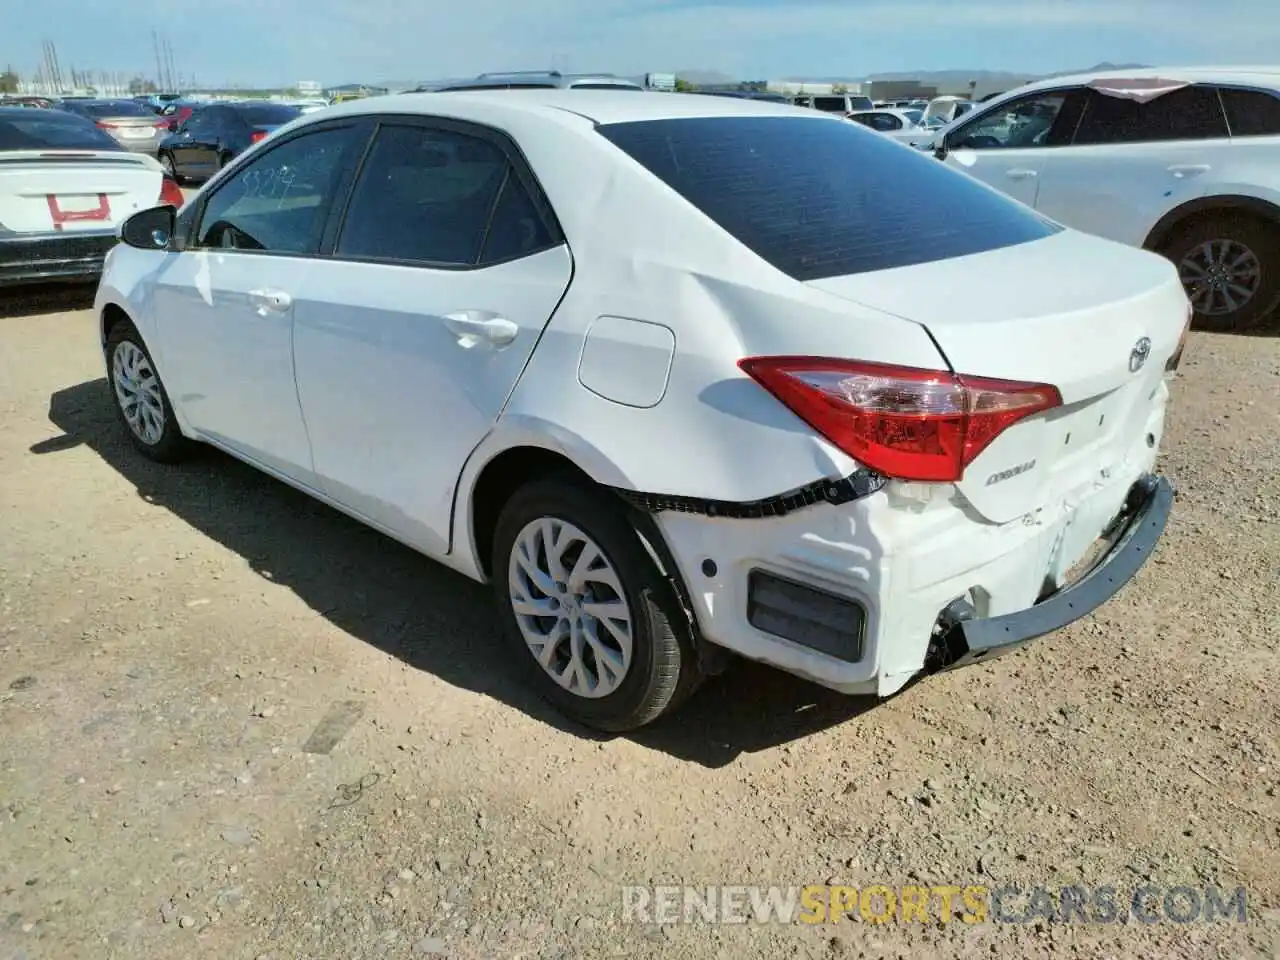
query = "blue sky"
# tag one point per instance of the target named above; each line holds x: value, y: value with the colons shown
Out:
x: 339, y: 41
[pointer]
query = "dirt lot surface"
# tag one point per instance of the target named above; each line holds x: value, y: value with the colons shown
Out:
x: 179, y: 646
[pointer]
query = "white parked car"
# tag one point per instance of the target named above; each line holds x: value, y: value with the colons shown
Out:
x: 65, y: 188
x: 900, y: 124
x: 1185, y: 162
x: 677, y: 375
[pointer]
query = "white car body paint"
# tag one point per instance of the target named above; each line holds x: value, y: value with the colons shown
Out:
x: 383, y: 411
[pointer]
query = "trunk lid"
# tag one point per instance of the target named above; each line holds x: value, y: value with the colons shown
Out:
x: 131, y: 129
x: 1070, y: 310
x: 72, y: 191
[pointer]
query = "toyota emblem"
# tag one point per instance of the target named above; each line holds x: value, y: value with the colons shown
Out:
x: 1138, y: 355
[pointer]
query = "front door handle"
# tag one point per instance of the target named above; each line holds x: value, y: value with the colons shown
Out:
x: 470, y: 329
x: 1181, y: 170
x: 270, y: 301
x: 1021, y: 174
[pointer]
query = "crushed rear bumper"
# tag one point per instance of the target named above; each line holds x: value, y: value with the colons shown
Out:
x: 1132, y: 541
x: 53, y: 257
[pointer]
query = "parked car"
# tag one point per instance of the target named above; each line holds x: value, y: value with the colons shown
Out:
x: 1183, y: 162
x: 135, y: 126
x: 310, y: 105
x: 751, y: 420
x: 218, y: 132
x: 178, y: 112
x: 65, y: 188
x: 903, y: 125
x: 747, y: 95
x: 835, y: 103
x: 26, y: 101
x: 540, y: 80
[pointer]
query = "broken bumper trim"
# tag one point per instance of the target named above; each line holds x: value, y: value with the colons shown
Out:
x: 1141, y: 525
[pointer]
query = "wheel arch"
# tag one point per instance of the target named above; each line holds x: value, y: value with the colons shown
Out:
x: 1167, y: 227
x: 111, y: 316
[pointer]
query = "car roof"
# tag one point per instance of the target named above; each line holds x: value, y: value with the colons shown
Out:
x: 57, y: 116
x: 1262, y: 76
x: 596, y: 106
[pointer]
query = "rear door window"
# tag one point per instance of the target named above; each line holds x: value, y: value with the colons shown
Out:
x: 424, y: 195
x: 817, y: 197
x: 48, y: 129
x: 830, y: 104
x: 1189, y: 113
x: 1251, y: 113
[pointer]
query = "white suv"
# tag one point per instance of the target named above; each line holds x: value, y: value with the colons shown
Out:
x: 1185, y: 162
x: 676, y: 375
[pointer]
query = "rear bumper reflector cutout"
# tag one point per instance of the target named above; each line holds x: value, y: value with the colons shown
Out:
x: 822, y: 621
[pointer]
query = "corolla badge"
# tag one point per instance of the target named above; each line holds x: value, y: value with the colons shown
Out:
x: 1138, y: 355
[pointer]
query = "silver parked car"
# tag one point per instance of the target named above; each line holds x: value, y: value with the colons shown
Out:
x: 135, y: 126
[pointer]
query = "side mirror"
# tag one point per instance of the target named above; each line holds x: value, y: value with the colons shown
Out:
x: 149, y: 229
x: 940, y: 148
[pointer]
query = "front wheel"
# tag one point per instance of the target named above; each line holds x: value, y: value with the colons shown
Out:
x: 140, y: 398
x: 1230, y: 268
x: 598, y: 628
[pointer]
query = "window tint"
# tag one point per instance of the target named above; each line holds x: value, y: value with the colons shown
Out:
x: 820, y: 198
x: 268, y: 114
x: 516, y: 228
x: 1191, y: 113
x: 279, y: 201
x: 830, y: 104
x: 1020, y: 124
x: 424, y: 196
x: 606, y: 86
x: 118, y: 108
x: 1251, y: 113
x: 861, y: 103
x: 35, y: 129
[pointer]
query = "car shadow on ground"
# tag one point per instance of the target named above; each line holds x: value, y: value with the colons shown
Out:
x: 35, y: 300
x: 399, y: 601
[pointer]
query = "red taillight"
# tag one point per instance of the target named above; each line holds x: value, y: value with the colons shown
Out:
x: 257, y: 136
x: 170, y: 192
x: 902, y: 422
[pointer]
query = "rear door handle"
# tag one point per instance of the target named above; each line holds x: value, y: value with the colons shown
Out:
x: 1181, y: 170
x: 270, y: 301
x: 1021, y: 174
x: 470, y: 329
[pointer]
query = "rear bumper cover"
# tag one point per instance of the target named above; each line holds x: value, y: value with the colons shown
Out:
x: 1132, y: 542
x: 54, y: 256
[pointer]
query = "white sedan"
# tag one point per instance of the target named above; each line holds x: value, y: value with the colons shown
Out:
x: 65, y: 189
x: 902, y: 125
x: 676, y: 375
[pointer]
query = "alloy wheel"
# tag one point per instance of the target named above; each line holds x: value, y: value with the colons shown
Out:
x: 138, y: 392
x: 570, y: 607
x: 1220, y: 276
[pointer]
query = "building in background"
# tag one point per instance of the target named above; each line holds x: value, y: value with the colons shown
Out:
x: 310, y: 88
x: 900, y: 90
x: 660, y: 81
x: 793, y: 88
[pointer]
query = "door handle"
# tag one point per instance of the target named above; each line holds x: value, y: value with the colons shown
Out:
x: 1021, y: 174
x: 471, y: 330
x: 270, y: 301
x: 1181, y: 170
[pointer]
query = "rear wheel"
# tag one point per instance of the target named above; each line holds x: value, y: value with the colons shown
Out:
x: 599, y: 630
x: 1230, y: 268
x: 140, y: 397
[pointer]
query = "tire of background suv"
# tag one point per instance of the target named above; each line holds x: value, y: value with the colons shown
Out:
x: 1259, y: 237
x: 663, y: 670
x: 125, y: 343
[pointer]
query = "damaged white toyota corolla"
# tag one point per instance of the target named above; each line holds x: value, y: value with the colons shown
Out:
x: 679, y: 375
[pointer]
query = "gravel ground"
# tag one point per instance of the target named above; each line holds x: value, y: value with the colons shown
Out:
x: 236, y: 724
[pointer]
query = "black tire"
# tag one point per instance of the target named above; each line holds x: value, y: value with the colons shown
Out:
x: 1260, y: 238
x: 171, y: 445
x: 664, y: 668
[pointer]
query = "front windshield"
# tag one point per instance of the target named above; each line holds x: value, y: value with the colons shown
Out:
x: 915, y: 116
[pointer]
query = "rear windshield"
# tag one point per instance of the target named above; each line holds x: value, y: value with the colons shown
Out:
x: 118, y: 108
x: 41, y: 129
x: 268, y: 114
x: 822, y: 198
x: 605, y: 85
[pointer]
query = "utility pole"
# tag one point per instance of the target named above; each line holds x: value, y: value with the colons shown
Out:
x: 155, y: 44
